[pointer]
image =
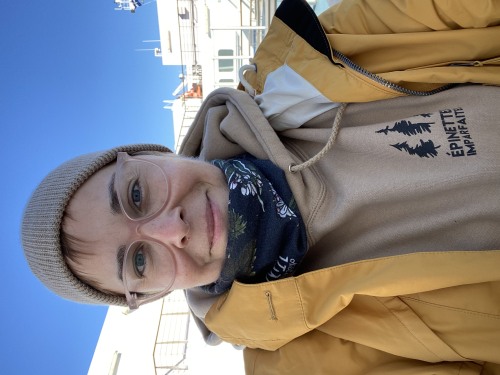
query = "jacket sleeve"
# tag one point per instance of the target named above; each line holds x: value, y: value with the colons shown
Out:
x: 404, y: 40
x: 318, y: 353
x: 408, y: 16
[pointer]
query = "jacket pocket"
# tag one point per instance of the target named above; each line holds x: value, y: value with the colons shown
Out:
x: 466, y: 317
x: 390, y: 325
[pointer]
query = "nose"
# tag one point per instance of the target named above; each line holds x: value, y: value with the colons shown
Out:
x: 169, y: 227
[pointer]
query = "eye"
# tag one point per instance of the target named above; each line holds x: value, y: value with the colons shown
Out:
x: 139, y: 261
x: 136, y: 194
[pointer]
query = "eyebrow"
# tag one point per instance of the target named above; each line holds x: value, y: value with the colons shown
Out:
x: 114, y: 203
x: 119, y: 260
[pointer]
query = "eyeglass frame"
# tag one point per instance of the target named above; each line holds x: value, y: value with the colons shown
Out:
x: 132, y: 301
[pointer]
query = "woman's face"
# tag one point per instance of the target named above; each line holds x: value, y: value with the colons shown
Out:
x: 189, y: 230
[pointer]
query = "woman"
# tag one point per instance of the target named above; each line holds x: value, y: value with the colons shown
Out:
x: 410, y: 235
x: 390, y: 235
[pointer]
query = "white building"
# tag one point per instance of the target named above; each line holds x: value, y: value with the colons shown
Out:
x: 211, y: 40
x: 159, y: 339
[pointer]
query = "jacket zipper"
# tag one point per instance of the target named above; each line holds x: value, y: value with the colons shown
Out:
x: 344, y: 59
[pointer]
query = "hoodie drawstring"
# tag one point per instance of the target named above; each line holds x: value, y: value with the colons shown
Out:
x: 294, y: 168
x: 248, y: 87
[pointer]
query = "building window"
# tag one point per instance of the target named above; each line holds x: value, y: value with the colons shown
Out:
x: 226, y: 65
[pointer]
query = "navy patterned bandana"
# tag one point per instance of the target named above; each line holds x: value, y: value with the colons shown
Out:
x: 266, y: 234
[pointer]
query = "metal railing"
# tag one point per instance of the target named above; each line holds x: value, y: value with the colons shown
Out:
x: 169, y: 353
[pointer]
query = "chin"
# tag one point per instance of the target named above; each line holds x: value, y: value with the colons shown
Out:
x: 212, y: 274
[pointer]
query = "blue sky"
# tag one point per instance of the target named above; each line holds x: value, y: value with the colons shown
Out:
x: 71, y: 82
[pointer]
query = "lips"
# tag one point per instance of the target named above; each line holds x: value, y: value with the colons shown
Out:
x: 210, y: 220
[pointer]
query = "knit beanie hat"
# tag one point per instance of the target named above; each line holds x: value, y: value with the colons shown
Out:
x: 41, y: 226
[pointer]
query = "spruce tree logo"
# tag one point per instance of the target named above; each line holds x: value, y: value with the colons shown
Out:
x: 424, y: 149
x: 408, y: 128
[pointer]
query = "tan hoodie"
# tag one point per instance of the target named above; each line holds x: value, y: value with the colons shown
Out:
x: 404, y: 175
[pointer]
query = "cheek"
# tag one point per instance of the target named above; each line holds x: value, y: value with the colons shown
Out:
x: 160, y: 269
x: 190, y: 275
x: 198, y: 172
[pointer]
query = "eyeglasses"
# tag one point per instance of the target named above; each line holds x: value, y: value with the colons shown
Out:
x: 141, y: 188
